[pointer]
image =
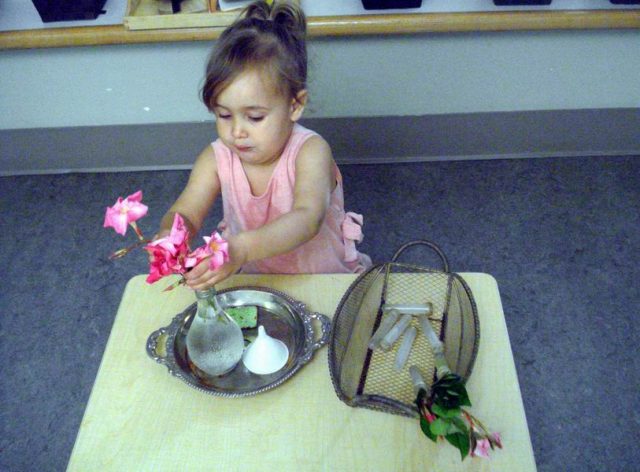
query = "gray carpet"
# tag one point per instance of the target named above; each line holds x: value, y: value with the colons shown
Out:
x: 561, y: 236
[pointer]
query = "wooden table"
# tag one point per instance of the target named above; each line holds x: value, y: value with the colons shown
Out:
x: 141, y: 418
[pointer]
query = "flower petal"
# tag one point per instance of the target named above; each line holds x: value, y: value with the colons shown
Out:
x: 116, y: 220
x: 482, y: 448
x: 135, y: 197
x: 136, y: 212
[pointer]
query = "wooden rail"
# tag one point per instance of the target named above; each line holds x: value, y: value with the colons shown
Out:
x: 340, y: 26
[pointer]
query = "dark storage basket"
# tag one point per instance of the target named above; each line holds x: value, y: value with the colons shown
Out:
x: 69, y: 10
x: 365, y: 378
x: 512, y: 3
x: 390, y: 4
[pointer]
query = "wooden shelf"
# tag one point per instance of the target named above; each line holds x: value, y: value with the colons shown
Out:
x: 339, y: 26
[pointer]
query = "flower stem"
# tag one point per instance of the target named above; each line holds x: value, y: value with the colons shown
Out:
x: 124, y: 251
x: 177, y: 283
x: 137, y: 230
x: 475, y: 422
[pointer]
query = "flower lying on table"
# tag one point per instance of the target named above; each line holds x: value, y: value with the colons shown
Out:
x: 441, y: 412
x: 170, y: 254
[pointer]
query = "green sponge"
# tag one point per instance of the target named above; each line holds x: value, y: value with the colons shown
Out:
x: 246, y: 316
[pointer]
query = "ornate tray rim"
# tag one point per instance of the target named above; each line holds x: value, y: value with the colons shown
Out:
x: 311, y: 345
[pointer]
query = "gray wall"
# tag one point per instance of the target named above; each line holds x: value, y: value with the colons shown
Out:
x: 414, y: 75
x: 390, y: 75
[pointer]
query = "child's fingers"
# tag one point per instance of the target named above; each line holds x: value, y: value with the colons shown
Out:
x: 197, y: 272
x: 205, y: 281
x: 209, y: 278
x: 201, y: 277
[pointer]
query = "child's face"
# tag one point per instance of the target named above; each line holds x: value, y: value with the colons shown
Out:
x: 254, y: 119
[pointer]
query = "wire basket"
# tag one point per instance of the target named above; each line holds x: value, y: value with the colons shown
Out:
x: 368, y: 378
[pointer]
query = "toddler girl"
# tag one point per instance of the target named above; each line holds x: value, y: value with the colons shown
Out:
x: 283, y: 208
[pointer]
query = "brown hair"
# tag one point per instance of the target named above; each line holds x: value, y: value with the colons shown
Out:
x: 265, y: 36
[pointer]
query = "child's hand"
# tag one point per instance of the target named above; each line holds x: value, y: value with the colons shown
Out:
x: 201, y: 277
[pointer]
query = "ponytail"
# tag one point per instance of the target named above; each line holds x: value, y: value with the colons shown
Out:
x: 269, y: 36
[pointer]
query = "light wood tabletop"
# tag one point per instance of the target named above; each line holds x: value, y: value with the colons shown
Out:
x: 141, y: 418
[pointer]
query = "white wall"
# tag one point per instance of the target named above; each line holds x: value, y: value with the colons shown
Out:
x: 356, y: 76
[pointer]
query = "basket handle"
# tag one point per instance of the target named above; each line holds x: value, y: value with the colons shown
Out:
x: 423, y: 242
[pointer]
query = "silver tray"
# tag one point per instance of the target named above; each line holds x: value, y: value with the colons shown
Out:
x: 282, y: 317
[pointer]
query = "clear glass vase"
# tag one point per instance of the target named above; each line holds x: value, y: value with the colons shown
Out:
x: 214, y: 341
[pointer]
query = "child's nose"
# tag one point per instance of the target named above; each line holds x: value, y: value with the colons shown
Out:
x: 237, y: 129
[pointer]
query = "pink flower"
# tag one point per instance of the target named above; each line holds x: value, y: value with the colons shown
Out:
x: 169, y: 254
x: 482, y: 448
x: 216, y: 249
x: 125, y: 212
x: 496, y: 439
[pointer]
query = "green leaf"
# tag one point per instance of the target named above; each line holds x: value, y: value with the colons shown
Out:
x: 445, y: 412
x: 450, y: 392
x: 451, y: 379
x: 439, y: 427
x: 460, y: 425
x: 464, y: 398
x: 460, y: 441
x: 424, y: 426
x: 454, y: 428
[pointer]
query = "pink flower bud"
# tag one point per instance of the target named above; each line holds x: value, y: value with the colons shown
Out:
x: 481, y: 449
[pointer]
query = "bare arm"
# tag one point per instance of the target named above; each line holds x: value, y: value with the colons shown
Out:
x: 198, y: 195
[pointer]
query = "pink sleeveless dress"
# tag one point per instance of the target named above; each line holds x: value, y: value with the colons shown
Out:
x: 332, y: 250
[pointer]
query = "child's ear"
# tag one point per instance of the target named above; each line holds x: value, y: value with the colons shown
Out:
x: 297, y: 105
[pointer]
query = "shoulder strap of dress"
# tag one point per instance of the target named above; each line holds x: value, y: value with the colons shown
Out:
x: 222, y: 155
x: 299, y: 136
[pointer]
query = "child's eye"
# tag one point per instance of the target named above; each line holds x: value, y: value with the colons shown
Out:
x: 256, y: 118
x: 223, y: 116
